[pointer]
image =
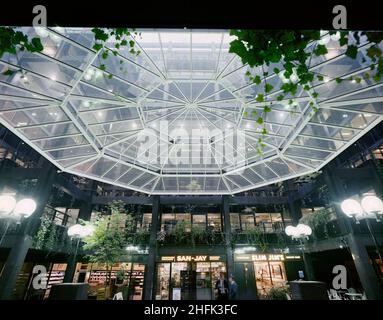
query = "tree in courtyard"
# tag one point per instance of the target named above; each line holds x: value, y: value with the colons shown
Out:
x: 107, y: 243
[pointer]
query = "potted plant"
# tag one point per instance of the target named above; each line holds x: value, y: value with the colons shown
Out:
x: 277, y: 293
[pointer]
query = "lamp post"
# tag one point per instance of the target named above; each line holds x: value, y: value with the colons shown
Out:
x: 76, y: 232
x: 371, y: 207
x: 15, y: 211
x: 300, y: 232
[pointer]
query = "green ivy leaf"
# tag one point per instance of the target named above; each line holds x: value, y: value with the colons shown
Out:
x: 131, y: 43
x: 8, y: 72
x: 276, y: 70
x: 100, y: 34
x: 102, y: 67
x: 110, y: 76
x: 97, y: 46
x: 105, y: 54
x: 266, y: 109
x: 257, y: 79
x: 268, y: 87
x: 351, y: 51
x: 260, y: 120
x: 259, y: 98
x: 320, y: 50
x: 320, y: 77
x: 264, y: 131
x: 280, y: 97
x: 338, y: 80
x: 38, y: 47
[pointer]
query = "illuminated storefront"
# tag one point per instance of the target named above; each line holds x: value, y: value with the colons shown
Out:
x: 104, y: 282
x: 263, y: 271
x: 188, y: 277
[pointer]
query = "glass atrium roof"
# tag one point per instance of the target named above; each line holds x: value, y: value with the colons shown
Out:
x: 178, y: 118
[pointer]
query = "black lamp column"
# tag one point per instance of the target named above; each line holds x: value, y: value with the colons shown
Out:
x: 24, y: 241
x: 150, y: 269
x: 227, y: 231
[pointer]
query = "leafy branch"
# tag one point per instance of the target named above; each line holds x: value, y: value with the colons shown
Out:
x: 289, y: 52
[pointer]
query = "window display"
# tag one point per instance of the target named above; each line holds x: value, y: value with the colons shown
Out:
x: 127, y: 278
x: 269, y: 274
x: 189, y: 280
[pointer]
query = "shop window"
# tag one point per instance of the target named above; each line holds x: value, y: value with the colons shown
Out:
x: 214, y: 221
x: 247, y: 222
x: 378, y: 154
x: 199, y: 221
x: 163, y: 278
x: 234, y: 222
x: 268, y: 275
x: 187, y: 280
x: 146, y: 221
x: 277, y: 222
x: 185, y: 218
x: 168, y: 222
x: 127, y: 278
x: 263, y: 221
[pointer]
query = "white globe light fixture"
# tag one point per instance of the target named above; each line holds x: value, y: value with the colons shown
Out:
x: 87, y: 231
x: 75, y: 231
x: 290, y: 230
x: 25, y: 208
x: 7, y: 204
x: 372, y: 205
x: 351, y: 207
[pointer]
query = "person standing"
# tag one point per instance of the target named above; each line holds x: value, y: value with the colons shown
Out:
x: 222, y: 286
x: 233, y: 288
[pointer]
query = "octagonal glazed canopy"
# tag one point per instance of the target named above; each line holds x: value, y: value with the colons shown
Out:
x: 178, y: 118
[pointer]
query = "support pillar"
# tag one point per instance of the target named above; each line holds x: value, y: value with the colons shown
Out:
x: 227, y: 231
x: 13, y: 265
x: 294, y: 205
x: 363, y: 263
x: 150, y: 269
x: 71, y: 265
x: 16, y: 256
x: 365, y: 269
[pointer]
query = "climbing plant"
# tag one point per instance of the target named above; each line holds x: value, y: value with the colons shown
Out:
x: 257, y: 238
x: 13, y: 39
x: 288, y: 53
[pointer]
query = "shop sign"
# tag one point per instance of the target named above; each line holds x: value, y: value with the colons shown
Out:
x: 291, y: 257
x: 259, y: 257
x: 192, y: 258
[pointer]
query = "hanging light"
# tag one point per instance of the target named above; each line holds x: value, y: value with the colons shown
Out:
x: 25, y: 207
x: 351, y: 207
x: 372, y: 204
x: 7, y: 204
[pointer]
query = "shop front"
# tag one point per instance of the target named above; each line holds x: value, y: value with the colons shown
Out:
x: 188, y: 277
x: 257, y: 273
x: 105, y: 281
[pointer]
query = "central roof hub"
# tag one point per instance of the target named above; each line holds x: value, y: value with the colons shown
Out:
x: 191, y: 105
